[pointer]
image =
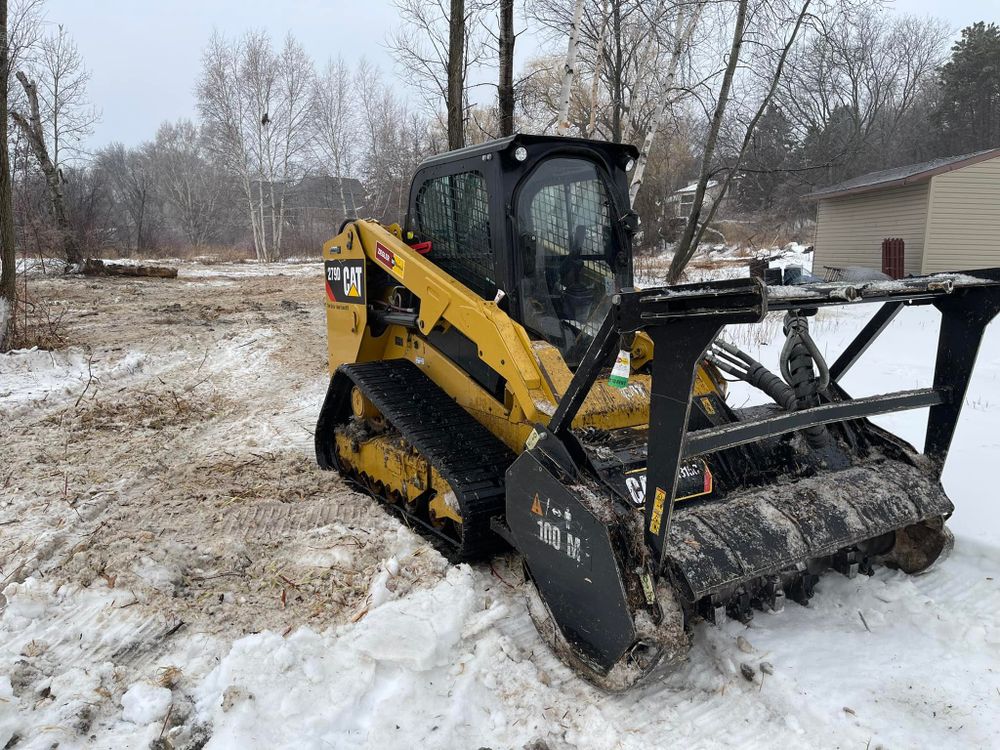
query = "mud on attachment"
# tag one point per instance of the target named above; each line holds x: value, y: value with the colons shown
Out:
x: 589, y: 565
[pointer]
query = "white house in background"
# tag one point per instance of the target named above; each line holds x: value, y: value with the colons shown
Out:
x: 683, y: 199
x: 947, y: 212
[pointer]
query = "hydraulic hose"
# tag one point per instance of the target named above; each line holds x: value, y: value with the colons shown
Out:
x: 739, y: 364
x: 797, y: 332
x: 798, y: 356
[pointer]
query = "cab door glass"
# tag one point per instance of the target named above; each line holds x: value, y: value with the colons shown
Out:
x: 567, y: 245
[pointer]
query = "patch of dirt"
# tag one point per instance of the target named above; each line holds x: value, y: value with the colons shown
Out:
x: 180, y: 467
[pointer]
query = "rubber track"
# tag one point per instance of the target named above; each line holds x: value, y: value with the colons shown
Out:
x: 467, y: 455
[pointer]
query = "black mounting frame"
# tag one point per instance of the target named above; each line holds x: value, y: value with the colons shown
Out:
x: 684, y: 320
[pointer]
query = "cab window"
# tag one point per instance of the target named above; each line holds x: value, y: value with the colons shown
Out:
x: 567, y: 246
x: 452, y: 212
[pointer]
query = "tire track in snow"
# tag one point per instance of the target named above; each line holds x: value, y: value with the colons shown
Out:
x: 87, y: 628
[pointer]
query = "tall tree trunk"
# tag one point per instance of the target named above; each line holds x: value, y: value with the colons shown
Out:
x: 140, y: 220
x: 456, y: 76
x: 617, y: 93
x: 262, y: 255
x: 275, y: 233
x: 569, y: 69
x: 279, y: 225
x: 254, y: 229
x: 343, y: 199
x: 683, y: 31
x: 8, y: 288
x: 505, y: 88
x: 598, y: 65
x: 31, y: 126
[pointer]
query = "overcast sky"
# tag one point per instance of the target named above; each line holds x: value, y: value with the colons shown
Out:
x: 145, y: 56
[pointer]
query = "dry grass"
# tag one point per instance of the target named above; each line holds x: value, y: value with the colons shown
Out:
x: 760, y: 234
x: 204, y: 254
x: 152, y: 409
x: 650, y: 266
x: 235, y: 480
x: 210, y: 255
x: 35, y: 324
x: 169, y: 676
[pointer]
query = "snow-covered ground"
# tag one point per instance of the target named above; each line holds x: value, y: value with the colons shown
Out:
x: 177, y: 573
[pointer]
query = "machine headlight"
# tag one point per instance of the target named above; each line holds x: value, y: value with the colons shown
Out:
x: 520, y: 153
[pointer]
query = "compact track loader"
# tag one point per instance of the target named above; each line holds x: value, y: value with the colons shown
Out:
x: 498, y: 381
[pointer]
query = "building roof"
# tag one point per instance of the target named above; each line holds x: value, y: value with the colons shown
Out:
x: 324, y: 191
x: 694, y: 186
x: 911, y: 174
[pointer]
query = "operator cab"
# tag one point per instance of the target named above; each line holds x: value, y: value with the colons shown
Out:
x: 543, y: 219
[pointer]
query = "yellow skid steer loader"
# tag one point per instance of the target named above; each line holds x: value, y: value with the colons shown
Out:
x: 499, y: 382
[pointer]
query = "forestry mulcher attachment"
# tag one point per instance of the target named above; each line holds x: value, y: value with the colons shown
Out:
x: 470, y: 351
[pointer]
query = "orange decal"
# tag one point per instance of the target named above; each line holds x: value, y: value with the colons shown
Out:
x: 536, y: 507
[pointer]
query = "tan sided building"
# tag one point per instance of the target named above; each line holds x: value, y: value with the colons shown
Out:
x: 947, y: 211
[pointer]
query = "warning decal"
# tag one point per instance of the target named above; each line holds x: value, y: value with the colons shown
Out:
x: 345, y: 281
x: 659, y: 499
x: 536, y: 507
x: 389, y: 259
x: 694, y: 479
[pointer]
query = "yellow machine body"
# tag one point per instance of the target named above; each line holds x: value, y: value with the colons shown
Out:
x: 534, y: 371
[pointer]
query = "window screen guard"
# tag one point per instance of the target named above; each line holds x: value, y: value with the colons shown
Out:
x: 452, y: 212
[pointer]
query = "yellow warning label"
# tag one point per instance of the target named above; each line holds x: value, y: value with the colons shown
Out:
x: 659, y: 498
x: 536, y: 507
x: 706, y: 404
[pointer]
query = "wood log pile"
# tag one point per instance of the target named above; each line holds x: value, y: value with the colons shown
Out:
x: 97, y: 267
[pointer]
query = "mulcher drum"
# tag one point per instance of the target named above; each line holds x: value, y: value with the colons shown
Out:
x: 764, y: 531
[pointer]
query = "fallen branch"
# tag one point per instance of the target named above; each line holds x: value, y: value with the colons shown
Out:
x: 864, y: 621
x: 90, y: 379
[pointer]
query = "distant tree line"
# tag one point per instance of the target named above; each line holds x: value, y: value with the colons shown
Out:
x: 768, y: 99
x: 872, y: 95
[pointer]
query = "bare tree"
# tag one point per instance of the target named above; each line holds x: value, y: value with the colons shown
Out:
x: 128, y: 174
x: 857, y: 75
x: 256, y: 106
x: 187, y: 180
x: 620, y: 48
x: 393, y: 142
x: 54, y: 114
x: 686, y: 21
x: 505, y: 87
x: 437, y: 43
x: 335, y: 142
x: 65, y: 108
x: 569, y: 69
x: 24, y: 33
x: 33, y: 130
x: 783, y: 23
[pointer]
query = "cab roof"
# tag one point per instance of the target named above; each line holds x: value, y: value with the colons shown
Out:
x: 522, y: 139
